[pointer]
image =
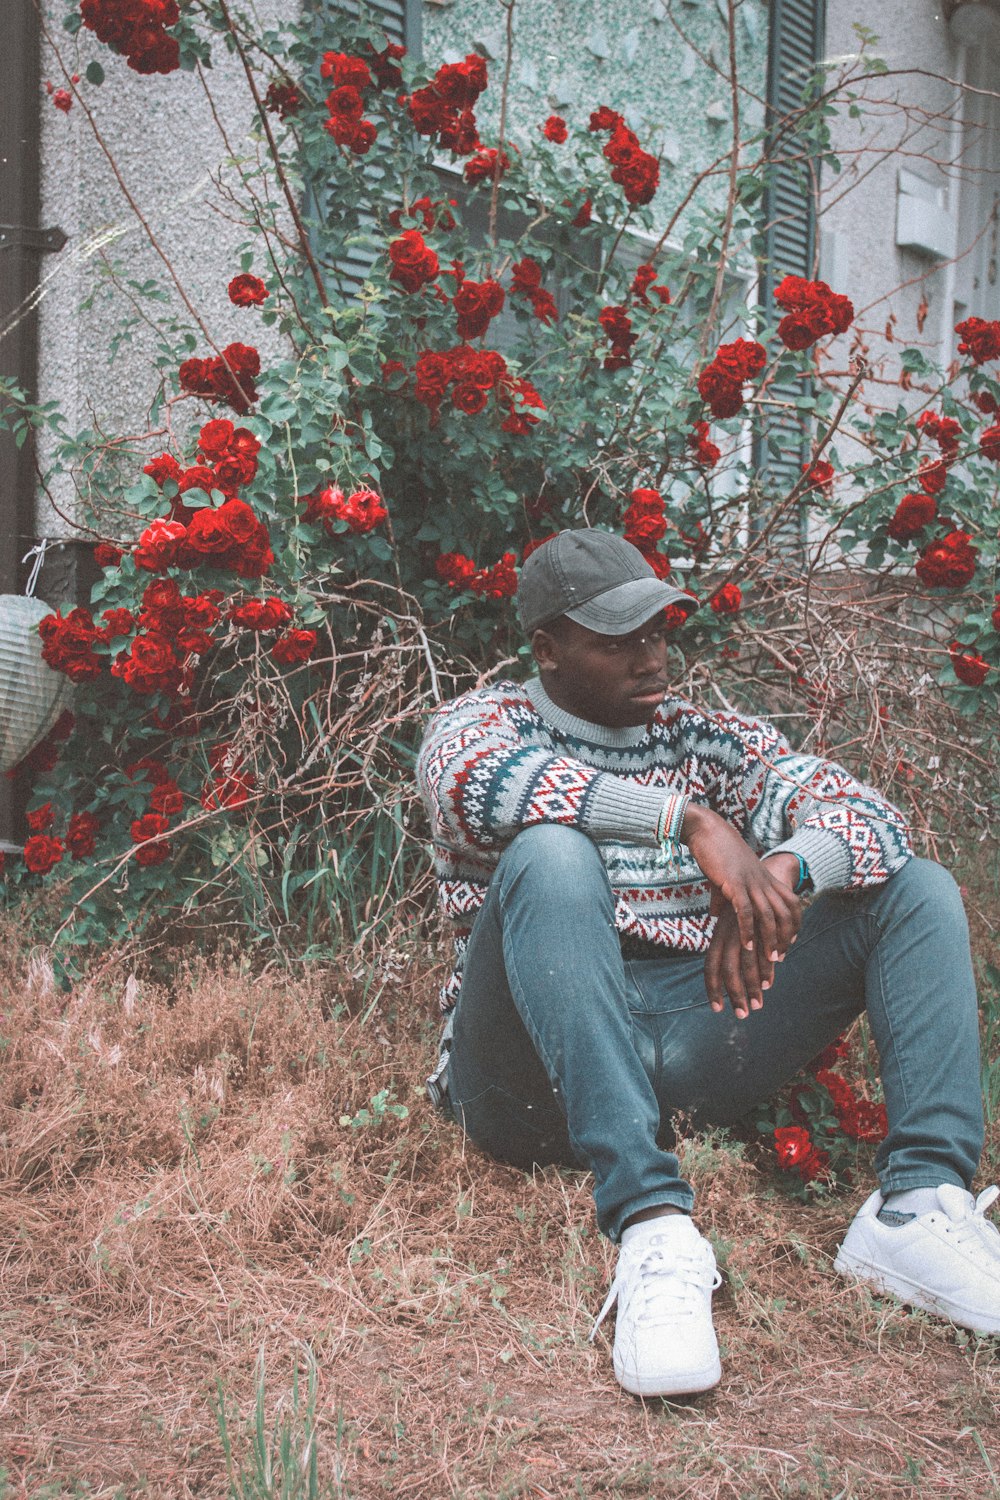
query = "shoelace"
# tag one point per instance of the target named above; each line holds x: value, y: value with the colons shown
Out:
x: 974, y: 1228
x: 677, y: 1276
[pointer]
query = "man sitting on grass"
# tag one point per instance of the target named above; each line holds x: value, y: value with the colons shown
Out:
x: 628, y: 863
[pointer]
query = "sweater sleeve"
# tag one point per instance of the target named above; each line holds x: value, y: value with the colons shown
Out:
x: 483, y: 777
x: 848, y: 834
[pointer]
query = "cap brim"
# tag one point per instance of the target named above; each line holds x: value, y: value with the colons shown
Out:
x: 623, y: 609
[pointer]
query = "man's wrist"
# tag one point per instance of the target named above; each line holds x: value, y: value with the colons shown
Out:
x: 790, y: 868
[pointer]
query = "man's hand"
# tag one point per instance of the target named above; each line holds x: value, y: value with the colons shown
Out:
x: 758, y: 913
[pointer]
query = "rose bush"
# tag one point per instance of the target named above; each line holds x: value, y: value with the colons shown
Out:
x: 253, y: 666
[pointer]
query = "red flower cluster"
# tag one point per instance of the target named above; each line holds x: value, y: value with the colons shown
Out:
x: 633, y: 169
x: 173, y: 627
x: 224, y: 536
x: 812, y: 311
x: 434, y: 213
x: 796, y: 1153
x: 980, y: 339
x: 40, y: 819
x: 297, y: 646
x: 644, y: 521
x: 858, y: 1118
x: 151, y: 826
x: 137, y: 29
x: 488, y: 165
x: 644, y: 282
x: 820, y: 476
x: 62, y: 99
x: 107, y: 556
x: 932, y: 475
x: 721, y: 382
x: 949, y: 562
x: 282, y: 99
x: 460, y: 572
x: 363, y: 510
x: 68, y: 644
x: 445, y: 107
x: 526, y: 281
x: 41, y: 852
x: 727, y: 600
x: 472, y: 374
x: 555, y: 129
x: 261, y: 614
x: 81, y: 834
x: 231, y: 786
x: 477, y: 303
x: 968, y: 665
x: 345, y: 103
x: 706, y: 454
x: 989, y: 443
x: 617, y: 326
x: 912, y: 514
x: 945, y: 431
x: 414, y: 263
x: 229, y: 377
x: 247, y: 291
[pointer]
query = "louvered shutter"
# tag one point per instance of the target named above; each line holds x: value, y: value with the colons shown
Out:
x: 400, y: 20
x: 796, y: 44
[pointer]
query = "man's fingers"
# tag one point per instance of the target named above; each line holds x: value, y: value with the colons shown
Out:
x: 732, y: 978
x: 713, y: 974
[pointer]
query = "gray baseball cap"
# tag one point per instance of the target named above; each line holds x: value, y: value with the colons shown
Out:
x: 599, y: 580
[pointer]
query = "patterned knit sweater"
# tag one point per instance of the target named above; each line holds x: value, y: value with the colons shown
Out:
x: 504, y: 757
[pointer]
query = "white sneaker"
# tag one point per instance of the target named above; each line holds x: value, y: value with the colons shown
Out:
x: 665, y: 1344
x: 946, y: 1261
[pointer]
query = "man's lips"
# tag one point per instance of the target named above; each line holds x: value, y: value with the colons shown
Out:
x: 652, y: 690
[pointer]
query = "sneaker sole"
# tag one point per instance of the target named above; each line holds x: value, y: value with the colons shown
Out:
x: 690, y: 1384
x: 910, y: 1292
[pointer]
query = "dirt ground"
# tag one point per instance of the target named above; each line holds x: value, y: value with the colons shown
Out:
x: 230, y: 1266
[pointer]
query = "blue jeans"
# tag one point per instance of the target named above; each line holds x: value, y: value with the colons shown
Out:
x: 565, y: 1053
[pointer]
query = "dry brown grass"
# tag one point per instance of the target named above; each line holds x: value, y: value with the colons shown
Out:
x: 180, y: 1195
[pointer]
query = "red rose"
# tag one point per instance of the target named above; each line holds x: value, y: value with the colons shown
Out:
x: 158, y: 544
x: 969, y: 667
x: 455, y: 569
x: 282, y: 99
x: 948, y: 562
x: 498, y: 582
x: 488, y: 165
x: 215, y: 439
x: 118, y: 622
x: 476, y: 304
x: 584, y: 214
x: 820, y: 476
x: 162, y: 468
x: 107, y: 556
x: 555, y: 129
x: 604, y: 118
x: 617, y: 326
x: 813, y: 311
x: 384, y: 65
x: 912, y: 514
x: 706, y: 454
x: 150, y: 665
x: 932, y: 475
x: 644, y: 520
x: 995, y: 617
x: 261, y: 614
x: 469, y: 398
x: 39, y: 819
x: 232, y: 473
x: 167, y: 798
x: 81, y: 834
x: 243, y: 444
x: 345, y: 71
x: 149, y: 827
x: 979, y: 339
x: 41, y: 852
x: 989, y: 443
x: 727, y: 600
x: 414, y: 263
x: 945, y: 431
x: 296, y: 646
x: 247, y: 291
x: 674, y: 616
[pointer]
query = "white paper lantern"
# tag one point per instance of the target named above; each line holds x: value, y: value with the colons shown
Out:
x: 32, y: 695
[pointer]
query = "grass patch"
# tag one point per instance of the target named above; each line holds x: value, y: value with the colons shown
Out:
x: 244, y: 1257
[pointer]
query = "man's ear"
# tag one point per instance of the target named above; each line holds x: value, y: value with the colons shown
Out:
x: 545, y: 650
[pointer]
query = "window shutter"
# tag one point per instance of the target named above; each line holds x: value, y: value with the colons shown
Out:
x: 796, y: 45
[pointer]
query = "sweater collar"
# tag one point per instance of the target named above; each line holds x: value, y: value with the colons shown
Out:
x: 582, y: 729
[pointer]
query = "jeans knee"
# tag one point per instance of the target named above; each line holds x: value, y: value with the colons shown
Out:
x: 564, y: 858
x: 923, y: 883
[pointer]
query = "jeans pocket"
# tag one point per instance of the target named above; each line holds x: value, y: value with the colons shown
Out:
x: 663, y: 986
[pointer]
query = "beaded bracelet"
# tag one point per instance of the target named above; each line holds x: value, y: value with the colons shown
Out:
x: 668, y: 828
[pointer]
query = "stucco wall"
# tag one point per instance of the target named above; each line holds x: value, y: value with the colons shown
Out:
x: 665, y: 67
x: 171, y: 155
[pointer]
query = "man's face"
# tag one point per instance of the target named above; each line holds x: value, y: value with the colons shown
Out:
x: 615, y: 680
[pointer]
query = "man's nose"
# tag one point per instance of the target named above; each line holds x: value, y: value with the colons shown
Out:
x: 646, y: 653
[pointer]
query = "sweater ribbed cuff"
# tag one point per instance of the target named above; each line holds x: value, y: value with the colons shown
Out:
x: 619, y: 809
x: 826, y: 854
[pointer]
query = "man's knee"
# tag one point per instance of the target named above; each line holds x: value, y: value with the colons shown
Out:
x: 925, y: 883
x: 563, y: 853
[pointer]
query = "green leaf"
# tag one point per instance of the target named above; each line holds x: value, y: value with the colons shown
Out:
x: 94, y: 73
